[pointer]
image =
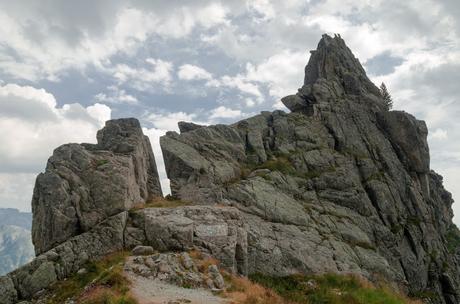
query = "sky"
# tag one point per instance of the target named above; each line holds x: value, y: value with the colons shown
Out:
x: 68, y: 66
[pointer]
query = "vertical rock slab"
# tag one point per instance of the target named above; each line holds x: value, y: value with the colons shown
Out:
x: 84, y: 184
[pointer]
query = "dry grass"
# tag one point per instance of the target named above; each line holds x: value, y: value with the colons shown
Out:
x: 201, y: 261
x: 161, y: 202
x: 105, y: 295
x: 103, y: 282
x: 331, y: 289
x: 244, y: 291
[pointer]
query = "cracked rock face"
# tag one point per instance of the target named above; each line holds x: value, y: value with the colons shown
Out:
x: 85, y: 184
x: 337, y: 185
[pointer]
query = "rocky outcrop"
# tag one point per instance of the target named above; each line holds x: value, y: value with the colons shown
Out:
x: 63, y: 260
x: 219, y: 232
x: 85, y: 184
x: 338, y: 185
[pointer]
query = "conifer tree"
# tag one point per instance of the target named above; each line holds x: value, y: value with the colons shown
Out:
x: 386, y: 96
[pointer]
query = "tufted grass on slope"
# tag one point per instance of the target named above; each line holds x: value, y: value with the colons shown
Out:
x: 329, y: 289
x: 162, y: 202
x: 102, y: 283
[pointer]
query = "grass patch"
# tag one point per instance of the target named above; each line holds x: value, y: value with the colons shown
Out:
x: 104, y: 275
x: 106, y: 296
x: 329, y: 288
x: 453, y: 238
x: 162, y: 202
x: 281, y: 163
x: 413, y: 220
x: 243, y: 291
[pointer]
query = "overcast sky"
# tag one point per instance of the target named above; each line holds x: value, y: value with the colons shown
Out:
x: 68, y: 66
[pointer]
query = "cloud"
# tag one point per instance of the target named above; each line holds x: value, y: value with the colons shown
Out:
x: 32, y: 125
x: 159, y: 73
x: 282, y: 72
x: 224, y: 112
x: 16, y: 190
x: 43, y: 40
x: 116, y: 96
x: 438, y: 134
x: 193, y: 72
x: 168, y: 121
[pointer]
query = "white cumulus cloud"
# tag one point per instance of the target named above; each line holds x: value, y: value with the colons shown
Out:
x: 193, y: 72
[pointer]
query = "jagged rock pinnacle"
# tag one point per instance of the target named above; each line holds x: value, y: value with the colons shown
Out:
x: 333, y: 73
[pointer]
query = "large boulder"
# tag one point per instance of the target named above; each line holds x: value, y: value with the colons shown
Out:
x: 85, y: 184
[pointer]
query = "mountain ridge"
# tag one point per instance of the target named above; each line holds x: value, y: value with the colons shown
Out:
x: 339, y: 185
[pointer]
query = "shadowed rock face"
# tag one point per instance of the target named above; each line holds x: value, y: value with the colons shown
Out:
x: 338, y: 185
x: 85, y: 184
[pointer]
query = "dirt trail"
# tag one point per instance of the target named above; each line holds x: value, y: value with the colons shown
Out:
x: 148, y: 291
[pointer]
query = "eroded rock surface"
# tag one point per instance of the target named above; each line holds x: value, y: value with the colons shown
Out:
x: 338, y: 185
x: 85, y: 184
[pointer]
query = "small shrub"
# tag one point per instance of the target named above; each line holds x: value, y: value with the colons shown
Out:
x: 413, y: 220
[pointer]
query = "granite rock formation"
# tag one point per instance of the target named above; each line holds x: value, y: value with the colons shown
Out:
x: 85, y: 184
x: 340, y: 184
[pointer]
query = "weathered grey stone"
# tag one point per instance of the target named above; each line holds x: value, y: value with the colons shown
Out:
x: 85, y: 184
x: 41, y: 278
x: 295, y: 103
x: 187, y: 126
x: 8, y: 294
x: 142, y: 250
x: 170, y: 268
x: 216, y: 277
x: 408, y: 135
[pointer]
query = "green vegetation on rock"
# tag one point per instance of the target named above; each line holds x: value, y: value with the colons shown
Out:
x: 453, y: 238
x: 101, y: 282
x: 330, y: 289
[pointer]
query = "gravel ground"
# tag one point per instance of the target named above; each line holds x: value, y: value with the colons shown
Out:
x: 156, y: 292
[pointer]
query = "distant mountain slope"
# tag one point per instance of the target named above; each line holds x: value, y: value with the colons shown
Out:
x: 10, y: 216
x: 16, y: 247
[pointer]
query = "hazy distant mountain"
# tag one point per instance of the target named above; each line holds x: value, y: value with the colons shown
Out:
x: 16, y: 246
x: 10, y: 216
